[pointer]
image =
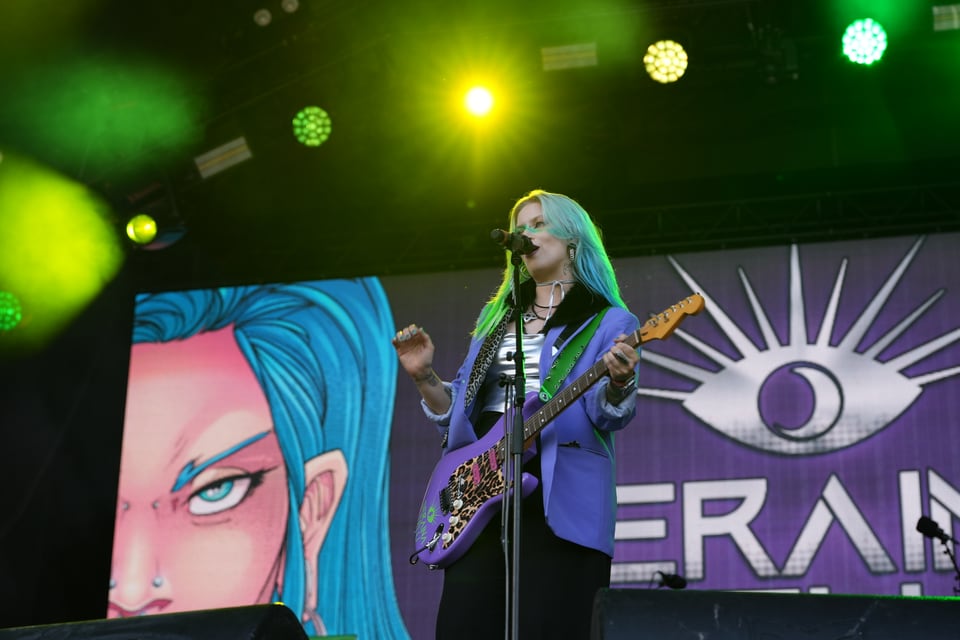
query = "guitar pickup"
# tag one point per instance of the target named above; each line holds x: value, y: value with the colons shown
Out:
x: 446, y: 504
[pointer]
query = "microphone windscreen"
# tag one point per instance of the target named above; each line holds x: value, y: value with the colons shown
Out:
x: 929, y: 528
x: 673, y: 580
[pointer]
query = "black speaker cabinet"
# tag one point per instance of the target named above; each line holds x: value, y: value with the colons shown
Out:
x: 638, y: 614
x: 257, y: 622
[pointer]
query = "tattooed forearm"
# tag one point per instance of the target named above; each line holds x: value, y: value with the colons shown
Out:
x: 430, y: 378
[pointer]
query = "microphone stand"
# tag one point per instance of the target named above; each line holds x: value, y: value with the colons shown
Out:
x: 515, y: 438
x: 931, y: 529
x: 956, y: 569
x: 944, y: 539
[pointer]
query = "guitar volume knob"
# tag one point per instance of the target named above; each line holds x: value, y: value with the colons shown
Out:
x: 454, y: 520
x: 447, y: 537
x: 457, y: 504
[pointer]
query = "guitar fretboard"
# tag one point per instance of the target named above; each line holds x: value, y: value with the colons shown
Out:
x: 535, y: 423
x: 659, y: 326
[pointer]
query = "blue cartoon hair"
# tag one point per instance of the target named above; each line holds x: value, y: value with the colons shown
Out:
x: 321, y: 352
x: 567, y: 220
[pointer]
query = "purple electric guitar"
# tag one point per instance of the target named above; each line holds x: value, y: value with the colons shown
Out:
x: 467, y: 485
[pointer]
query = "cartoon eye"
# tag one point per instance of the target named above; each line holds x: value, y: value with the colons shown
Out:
x: 804, y: 398
x: 798, y: 402
x: 220, y: 495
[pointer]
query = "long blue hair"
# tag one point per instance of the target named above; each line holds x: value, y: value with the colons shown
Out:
x: 567, y: 220
x: 321, y: 353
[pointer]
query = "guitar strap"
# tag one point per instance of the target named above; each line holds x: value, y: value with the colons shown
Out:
x: 563, y: 364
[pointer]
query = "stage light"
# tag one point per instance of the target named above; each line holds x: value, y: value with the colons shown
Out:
x: 10, y: 311
x: 571, y: 56
x: 666, y: 61
x: 479, y: 101
x: 262, y: 17
x: 946, y: 17
x: 223, y: 157
x: 142, y: 229
x: 131, y: 114
x: 864, y: 41
x: 312, y: 126
x: 58, y: 247
x: 290, y: 6
x: 154, y: 220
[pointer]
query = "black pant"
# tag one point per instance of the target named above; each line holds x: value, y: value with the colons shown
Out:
x: 558, y: 580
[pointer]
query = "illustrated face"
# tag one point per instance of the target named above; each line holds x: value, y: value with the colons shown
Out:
x: 202, y: 505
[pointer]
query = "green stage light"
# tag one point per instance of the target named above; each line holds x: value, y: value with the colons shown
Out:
x: 312, y: 126
x: 864, y: 41
x: 142, y: 229
x: 105, y: 112
x: 10, y: 311
x: 479, y: 101
x: 666, y: 61
x: 58, y: 246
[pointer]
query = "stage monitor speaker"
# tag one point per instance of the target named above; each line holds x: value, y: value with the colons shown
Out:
x: 257, y: 622
x: 638, y: 614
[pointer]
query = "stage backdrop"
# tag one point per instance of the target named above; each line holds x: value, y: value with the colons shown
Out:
x: 789, y: 437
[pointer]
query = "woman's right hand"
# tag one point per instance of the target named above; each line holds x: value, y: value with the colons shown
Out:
x: 415, y: 350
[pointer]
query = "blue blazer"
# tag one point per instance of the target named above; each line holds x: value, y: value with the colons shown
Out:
x: 578, y: 469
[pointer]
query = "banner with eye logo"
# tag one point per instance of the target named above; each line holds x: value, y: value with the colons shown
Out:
x: 787, y: 438
x: 792, y: 436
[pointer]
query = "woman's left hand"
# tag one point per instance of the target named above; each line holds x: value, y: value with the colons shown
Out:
x: 621, y: 360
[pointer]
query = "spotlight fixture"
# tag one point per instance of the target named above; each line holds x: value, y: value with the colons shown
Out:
x: 946, y: 17
x: 290, y: 6
x: 142, y: 229
x: 569, y: 56
x: 223, y: 157
x: 154, y: 220
x: 864, y: 41
x: 10, y: 311
x: 478, y: 101
x: 666, y: 61
x: 312, y: 126
x: 262, y: 17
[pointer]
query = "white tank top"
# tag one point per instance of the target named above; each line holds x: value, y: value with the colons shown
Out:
x: 492, y: 393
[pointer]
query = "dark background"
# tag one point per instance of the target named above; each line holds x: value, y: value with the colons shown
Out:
x: 770, y: 137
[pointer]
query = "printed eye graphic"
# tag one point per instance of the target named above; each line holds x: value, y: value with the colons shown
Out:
x: 801, y: 401
x: 221, y: 495
x: 804, y: 398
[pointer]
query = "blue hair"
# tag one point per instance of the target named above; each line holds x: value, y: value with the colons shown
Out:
x: 320, y: 351
x: 567, y: 220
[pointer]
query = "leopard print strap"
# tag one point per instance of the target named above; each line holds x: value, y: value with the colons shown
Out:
x: 481, y: 364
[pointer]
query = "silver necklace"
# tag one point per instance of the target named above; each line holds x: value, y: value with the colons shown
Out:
x: 530, y: 316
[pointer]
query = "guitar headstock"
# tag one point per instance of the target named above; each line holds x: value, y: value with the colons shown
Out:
x: 661, y: 325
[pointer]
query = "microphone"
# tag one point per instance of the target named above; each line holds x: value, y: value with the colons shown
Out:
x: 931, y: 529
x: 515, y: 242
x: 672, y: 580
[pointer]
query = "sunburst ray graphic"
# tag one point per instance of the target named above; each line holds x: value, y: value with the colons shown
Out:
x: 852, y: 395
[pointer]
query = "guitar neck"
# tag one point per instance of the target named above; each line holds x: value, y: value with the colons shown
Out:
x: 657, y: 327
